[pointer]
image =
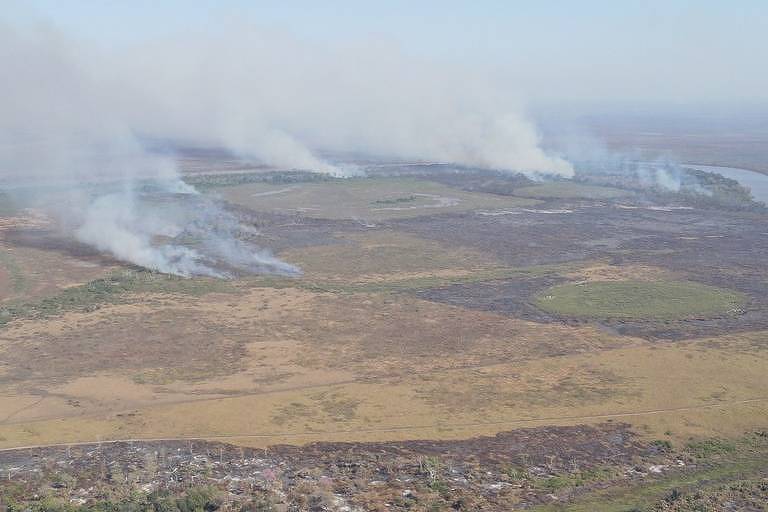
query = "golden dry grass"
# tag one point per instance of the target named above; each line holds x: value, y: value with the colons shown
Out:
x: 28, y: 273
x: 322, y: 366
x: 261, y: 364
x: 600, y: 271
x: 386, y: 255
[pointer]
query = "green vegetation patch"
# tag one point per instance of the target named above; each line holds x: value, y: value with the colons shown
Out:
x: 581, y: 478
x: 737, y: 475
x: 570, y: 190
x: 109, y: 290
x: 397, y: 200
x: 211, y: 181
x: 18, y: 281
x: 639, y: 300
x: 711, y: 447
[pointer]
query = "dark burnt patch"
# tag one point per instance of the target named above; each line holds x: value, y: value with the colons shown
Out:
x: 554, y: 446
x: 465, y: 474
x: 719, y: 248
x: 511, y: 297
x: 527, y: 237
x: 488, y: 182
x: 60, y: 242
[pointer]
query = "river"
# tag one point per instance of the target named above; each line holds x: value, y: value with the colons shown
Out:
x: 755, y: 181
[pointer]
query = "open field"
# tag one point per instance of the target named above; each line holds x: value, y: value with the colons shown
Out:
x: 562, y: 190
x: 415, y: 318
x: 364, y: 199
x: 639, y: 299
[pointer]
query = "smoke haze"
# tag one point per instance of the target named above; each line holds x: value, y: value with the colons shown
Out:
x: 65, y: 129
x: 279, y: 100
x: 77, y: 115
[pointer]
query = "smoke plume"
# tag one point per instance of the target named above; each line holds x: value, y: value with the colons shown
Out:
x: 76, y: 117
x: 64, y: 135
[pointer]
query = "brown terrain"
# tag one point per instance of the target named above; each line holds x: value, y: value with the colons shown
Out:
x: 410, y: 366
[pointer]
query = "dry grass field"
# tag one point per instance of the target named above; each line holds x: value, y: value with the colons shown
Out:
x: 395, y: 331
x: 353, y: 349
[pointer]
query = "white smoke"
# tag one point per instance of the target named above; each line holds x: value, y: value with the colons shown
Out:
x: 662, y: 175
x: 280, y: 100
x: 590, y: 155
x: 112, y: 223
x: 71, y: 114
x: 62, y: 127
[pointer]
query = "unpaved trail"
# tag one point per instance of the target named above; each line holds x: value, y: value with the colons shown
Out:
x: 12, y: 414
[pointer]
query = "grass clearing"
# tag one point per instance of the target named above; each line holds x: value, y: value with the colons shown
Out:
x: 369, y: 199
x: 18, y: 282
x: 570, y: 190
x: 639, y: 300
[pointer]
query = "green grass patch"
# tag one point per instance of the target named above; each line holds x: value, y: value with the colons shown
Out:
x: 711, y: 447
x: 739, y: 460
x: 644, y: 495
x: 662, y: 445
x: 570, y: 190
x: 518, y: 474
x: 212, y: 181
x: 18, y: 282
x: 109, y: 290
x: 639, y: 300
x: 397, y: 200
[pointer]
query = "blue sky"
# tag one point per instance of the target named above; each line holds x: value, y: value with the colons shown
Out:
x: 665, y: 50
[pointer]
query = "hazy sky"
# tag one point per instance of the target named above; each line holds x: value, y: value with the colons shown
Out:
x: 299, y: 85
x: 669, y: 50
